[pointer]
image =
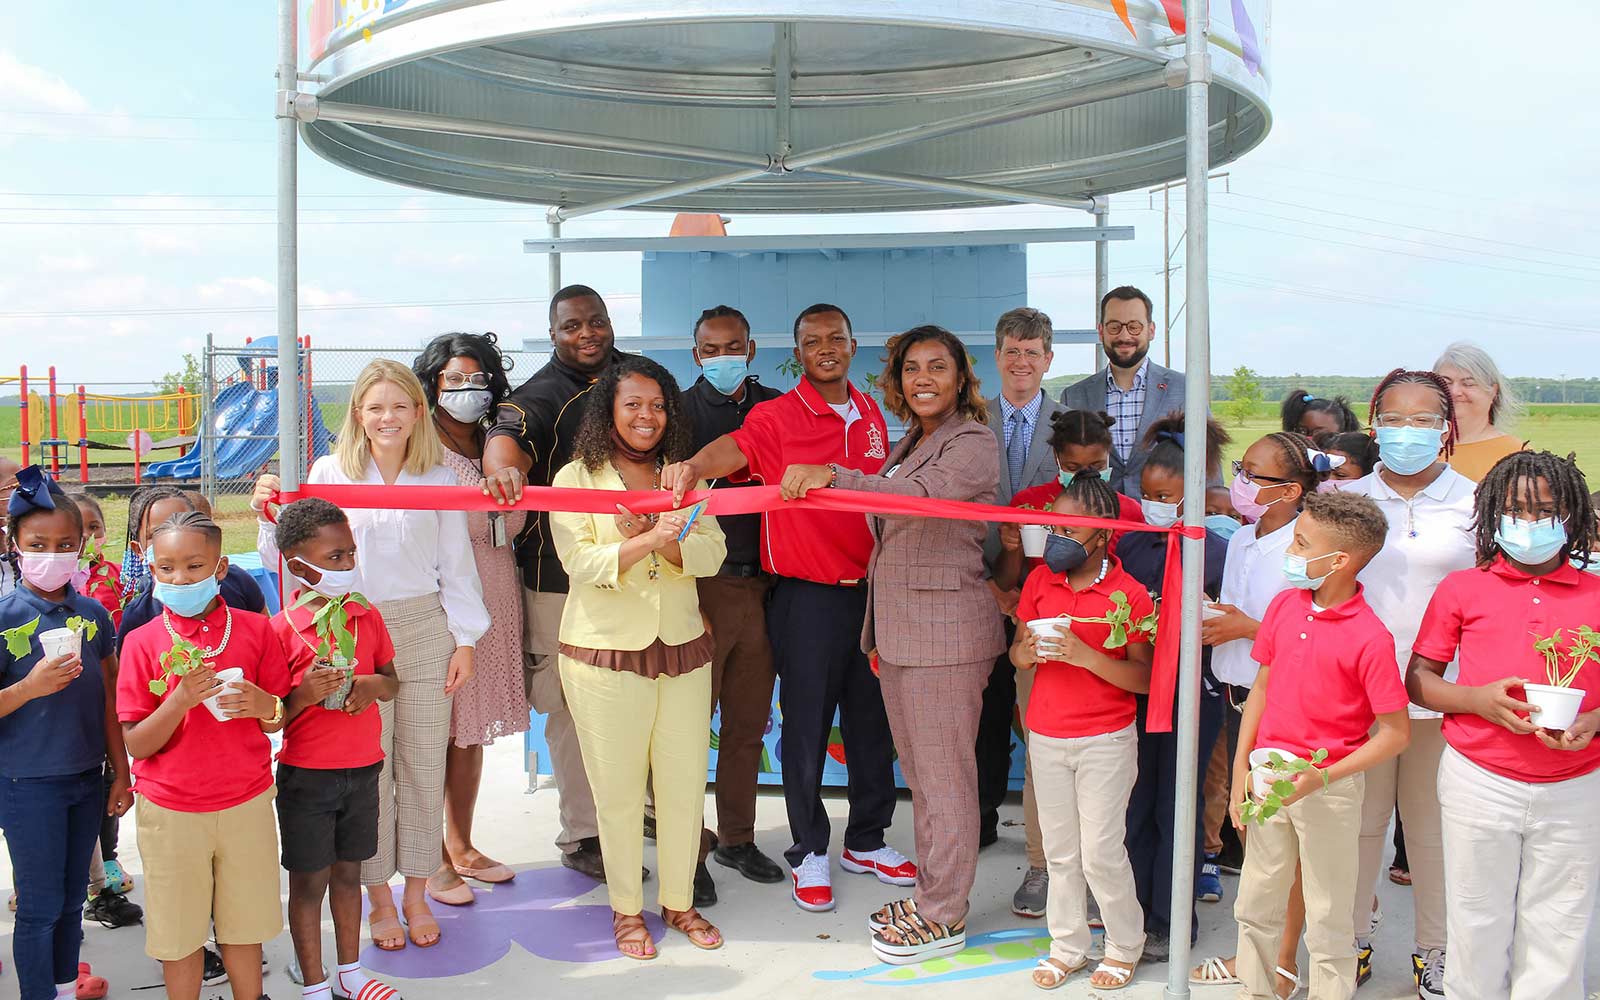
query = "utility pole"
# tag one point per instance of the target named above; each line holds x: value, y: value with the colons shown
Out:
x: 1167, y: 250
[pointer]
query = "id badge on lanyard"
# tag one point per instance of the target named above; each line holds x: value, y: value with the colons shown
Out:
x: 497, y: 530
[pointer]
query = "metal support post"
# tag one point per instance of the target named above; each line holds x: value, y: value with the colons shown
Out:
x: 1102, y: 274
x: 554, y: 280
x: 1197, y: 365
x: 783, y: 84
x: 206, y: 439
x: 289, y: 458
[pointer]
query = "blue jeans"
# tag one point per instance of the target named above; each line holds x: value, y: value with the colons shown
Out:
x: 50, y: 825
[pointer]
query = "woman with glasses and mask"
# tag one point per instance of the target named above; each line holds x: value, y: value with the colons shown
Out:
x: 1269, y: 484
x: 1429, y: 508
x: 464, y: 378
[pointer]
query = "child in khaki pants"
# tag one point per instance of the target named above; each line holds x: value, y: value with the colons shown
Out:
x: 1327, y: 673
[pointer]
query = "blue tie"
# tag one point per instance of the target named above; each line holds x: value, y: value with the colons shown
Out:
x: 1016, y: 450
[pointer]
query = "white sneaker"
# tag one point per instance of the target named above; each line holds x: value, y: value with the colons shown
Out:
x: 813, y: 884
x: 891, y: 867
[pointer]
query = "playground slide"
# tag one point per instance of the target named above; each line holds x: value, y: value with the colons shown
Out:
x: 246, y: 421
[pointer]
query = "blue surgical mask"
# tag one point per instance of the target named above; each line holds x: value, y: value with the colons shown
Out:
x: 1530, y: 542
x: 1294, y: 570
x: 1065, y: 478
x: 1162, y: 515
x: 1408, y: 450
x: 725, y: 372
x: 187, y: 600
x: 1222, y: 524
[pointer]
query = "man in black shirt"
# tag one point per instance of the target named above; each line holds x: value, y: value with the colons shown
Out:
x: 529, y: 443
x: 734, y: 601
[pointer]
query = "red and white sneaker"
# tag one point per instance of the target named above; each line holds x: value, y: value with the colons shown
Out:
x: 813, y: 884
x: 891, y: 867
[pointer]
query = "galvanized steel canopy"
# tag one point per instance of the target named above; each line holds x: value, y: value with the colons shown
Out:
x: 769, y: 105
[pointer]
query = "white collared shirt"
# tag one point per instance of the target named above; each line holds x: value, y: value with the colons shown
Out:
x: 407, y: 553
x: 1430, y: 536
x: 1251, y: 578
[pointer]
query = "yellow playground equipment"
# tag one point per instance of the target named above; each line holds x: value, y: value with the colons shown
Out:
x: 141, y: 423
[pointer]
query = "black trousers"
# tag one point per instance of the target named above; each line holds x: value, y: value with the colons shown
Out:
x: 815, y: 631
x: 108, y: 824
x: 994, y: 737
x: 1150, y: 812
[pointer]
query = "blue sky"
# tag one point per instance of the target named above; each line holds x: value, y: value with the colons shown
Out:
x: 1429, y: 178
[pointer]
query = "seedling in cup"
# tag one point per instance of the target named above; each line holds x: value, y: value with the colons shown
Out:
x: 1120, y: 618
x: 1558, y: 701
x: 54, y: 642
x: 1272, y: 774
x: 336, y: 643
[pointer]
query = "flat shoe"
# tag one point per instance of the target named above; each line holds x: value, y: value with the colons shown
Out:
x: 493, y: 875
x: 459, y: 895
x: 419, y: 922
x: 386, y: 927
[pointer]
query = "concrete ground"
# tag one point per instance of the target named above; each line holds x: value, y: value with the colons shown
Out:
x: 547, y: 934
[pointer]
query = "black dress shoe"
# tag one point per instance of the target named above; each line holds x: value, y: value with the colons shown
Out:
x: 705, y: 890
x: 649, y: 828
x: 586, y: 860
x: 748, y: 861
x: 988, y: 836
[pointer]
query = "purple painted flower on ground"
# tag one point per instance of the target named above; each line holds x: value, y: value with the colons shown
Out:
x: 527, y: 911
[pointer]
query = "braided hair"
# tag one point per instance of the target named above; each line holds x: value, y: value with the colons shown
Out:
x: 1300, y: 402
x: 1296, y: 452
x: 1432, y: 380
x: 135, y: 571
x: 1499, y: 489
x: 1077, y: 428
x: 1093, y: 494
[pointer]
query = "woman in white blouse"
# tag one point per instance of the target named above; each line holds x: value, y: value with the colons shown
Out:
x: 416, y: 567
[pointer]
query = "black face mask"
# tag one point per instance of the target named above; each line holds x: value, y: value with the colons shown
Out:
x: 1063, y: 554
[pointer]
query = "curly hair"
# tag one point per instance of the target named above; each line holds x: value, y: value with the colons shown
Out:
x: 1298, y: 402
x: 1080, y: 428
x: 1570, y: 490
x: 1166, y: 442
x: 592, y: 444
x: 969, y: 398
x: 484, y: 348
x: 1431, y: 380
x: 1355, y: 521
x: 299, y: 522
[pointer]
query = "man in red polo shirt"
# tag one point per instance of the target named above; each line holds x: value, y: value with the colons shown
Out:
x: 818, y: 603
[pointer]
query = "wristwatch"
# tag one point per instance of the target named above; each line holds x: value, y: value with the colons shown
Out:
x: 277, y: 711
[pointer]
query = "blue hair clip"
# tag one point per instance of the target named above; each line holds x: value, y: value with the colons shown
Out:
x: 34, y: 492
x: 1308, y: 398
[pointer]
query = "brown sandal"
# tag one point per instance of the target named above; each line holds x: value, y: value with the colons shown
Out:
x: 690, y: 923
x: 384, y: 924
x: 629, y: 930
x: 420, y: 923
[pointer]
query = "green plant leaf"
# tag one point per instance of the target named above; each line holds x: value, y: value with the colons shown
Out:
x: 1319, y: 756
x: 1270, y: 809
x: 19, y: 639
x: 158, y: 687
x: 1283, y: 788
x: 1276, y: 759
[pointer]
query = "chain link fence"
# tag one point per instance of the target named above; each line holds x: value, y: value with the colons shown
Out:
x: 237, y: 440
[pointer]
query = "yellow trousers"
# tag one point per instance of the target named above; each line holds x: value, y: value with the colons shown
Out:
x: 631, y: 728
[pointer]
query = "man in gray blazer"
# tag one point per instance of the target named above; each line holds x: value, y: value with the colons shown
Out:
x: 1133, y: 389
x: 1019, y: 416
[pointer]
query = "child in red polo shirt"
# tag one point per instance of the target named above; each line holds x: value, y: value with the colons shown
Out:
x: 204, y: 784
x: 1081, y: 739
x: 328, y: 769
x: 1327, y: 673
x: 1520, y: 801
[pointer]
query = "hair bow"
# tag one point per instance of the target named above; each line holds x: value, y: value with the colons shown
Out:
x: 35, y: 491
x: 1176, y: 437
x: 1324, y: 462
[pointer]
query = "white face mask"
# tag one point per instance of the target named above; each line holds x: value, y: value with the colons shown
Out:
x: 1162, y: 515
x: 333, y: 583
x: 466, y: 405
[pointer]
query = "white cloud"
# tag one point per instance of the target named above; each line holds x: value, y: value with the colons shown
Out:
x: 234, y: 289
x: 66, y: 263
x: 30, y: 88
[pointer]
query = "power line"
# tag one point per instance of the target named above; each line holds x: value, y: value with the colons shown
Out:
x: 234, y: 310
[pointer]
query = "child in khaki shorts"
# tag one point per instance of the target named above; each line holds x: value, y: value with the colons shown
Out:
x: 207, y: 834
x: 1327, y: 673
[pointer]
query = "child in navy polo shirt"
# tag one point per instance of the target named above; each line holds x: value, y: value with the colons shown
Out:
x: 57, y: 729
x: 206, y: 830
x: 1327, y: 673
x: 1519, y: 796
x: 1081, y: 737
x: 331, y: 758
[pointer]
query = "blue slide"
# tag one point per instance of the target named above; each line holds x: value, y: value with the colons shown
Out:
x: 244, y: 424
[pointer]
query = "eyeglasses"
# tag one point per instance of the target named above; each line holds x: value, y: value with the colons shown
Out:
x: 1426, y: 421
x: 1015, y: 354
x: 1114, y: 327
x: 461, y: 380
x: 1240, y: 473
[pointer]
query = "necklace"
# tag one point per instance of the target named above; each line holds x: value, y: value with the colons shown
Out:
x: 209, y: 654
x: 655, y: 560
x: 1105, y: 567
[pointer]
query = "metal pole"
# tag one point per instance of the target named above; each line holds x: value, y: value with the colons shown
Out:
x: 207, y: 438
x: 1166, y: 272
x: 554, y: 280
x: 1197, y: 364
x: 1102, y: 275
x: 783, y: 83
x: 289, y: 459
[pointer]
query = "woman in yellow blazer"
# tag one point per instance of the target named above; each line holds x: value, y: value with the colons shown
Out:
x: 635, y: 652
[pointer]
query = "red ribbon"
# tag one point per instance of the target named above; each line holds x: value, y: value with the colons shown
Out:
x: 761, y: 499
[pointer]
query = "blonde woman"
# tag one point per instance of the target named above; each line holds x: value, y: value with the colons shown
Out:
x: 416, y: 566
